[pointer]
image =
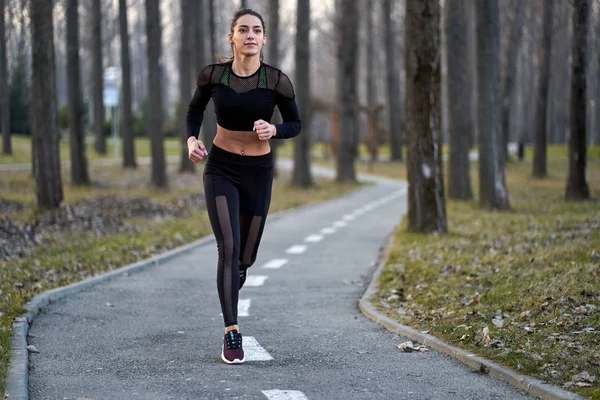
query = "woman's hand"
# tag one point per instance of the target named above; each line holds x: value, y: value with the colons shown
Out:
x: 264, y: 130
x: 196, y: 150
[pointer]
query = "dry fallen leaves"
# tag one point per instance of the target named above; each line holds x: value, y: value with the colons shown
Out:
x: 410, y: 347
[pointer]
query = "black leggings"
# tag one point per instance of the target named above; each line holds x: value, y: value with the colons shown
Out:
x: 238, y: 193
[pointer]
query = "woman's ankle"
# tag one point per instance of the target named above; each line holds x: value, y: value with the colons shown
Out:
x: 231, y: 328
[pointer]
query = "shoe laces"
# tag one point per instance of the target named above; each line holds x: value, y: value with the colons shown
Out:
x: 233, y: 339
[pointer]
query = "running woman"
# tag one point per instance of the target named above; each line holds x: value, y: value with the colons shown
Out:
x: 238, y: 176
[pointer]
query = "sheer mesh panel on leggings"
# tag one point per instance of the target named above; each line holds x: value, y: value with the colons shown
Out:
x: 250, y: 248
x: 227, y: 277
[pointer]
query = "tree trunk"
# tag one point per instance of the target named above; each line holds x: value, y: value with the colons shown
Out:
x: 372, y: 112
x: 472, y: 89
x: 185, y: 164
x: 209, y: 128
x: 540, y: 132
x: 577, y: 187
x: 492, y: 187
x: 126, y: 104
x: 514, y: 41
x: 394, y: 98
x: 79, y: 168
x: 243, y: 3
x: 459, y: 121
x: 301, y: 175
x: 44, y: 128
x: 426, y: 203
x: 273, y: 52
x: 155, y: 114
x: 347, y: 96
x: 97, y: 76
x: 4, y: 92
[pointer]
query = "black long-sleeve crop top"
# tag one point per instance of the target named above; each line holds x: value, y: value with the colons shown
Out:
x: 239, y: 101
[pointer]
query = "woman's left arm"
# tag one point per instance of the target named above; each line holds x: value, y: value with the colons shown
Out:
x: 286, y: 102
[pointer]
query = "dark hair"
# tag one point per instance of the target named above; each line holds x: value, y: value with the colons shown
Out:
x: 240, y: 13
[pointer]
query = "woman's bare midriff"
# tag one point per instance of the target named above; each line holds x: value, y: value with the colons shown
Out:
x: 241, y: 142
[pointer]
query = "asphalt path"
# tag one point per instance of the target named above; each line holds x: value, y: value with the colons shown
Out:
x: 157, y: 334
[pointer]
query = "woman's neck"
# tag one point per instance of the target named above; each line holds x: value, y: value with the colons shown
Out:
x: 245, y: 66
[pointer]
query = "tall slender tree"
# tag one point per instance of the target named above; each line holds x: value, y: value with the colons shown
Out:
x: 185, y: 165
x: 155, y: 113
x: 209, y: 127
x: 492, y: 186
x: 79, y: 167
x: 459, y: 121
x: 394, y: 98
x: 273, y: 53
x: 127, y: 101
x: 97, y: 76
x: 4, y: 92
x: 540, y: 132
x: 347, y: 96
x: 301, y: 175
x: 44, y: 127
x: 508, y: 82
x: 426, y: 203
x: 577, y: 186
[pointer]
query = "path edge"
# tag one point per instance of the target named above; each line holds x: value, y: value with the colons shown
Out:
x: 525, y: 383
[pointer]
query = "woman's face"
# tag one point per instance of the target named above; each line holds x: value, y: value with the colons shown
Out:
x: 248, y: 36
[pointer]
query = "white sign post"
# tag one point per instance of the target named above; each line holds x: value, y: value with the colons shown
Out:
x: 110, y: 95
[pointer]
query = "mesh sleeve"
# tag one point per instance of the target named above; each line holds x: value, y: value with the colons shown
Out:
x: 202, y: 95
x: 285, y: 87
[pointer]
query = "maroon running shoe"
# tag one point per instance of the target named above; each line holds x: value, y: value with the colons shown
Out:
x: 233, y: 353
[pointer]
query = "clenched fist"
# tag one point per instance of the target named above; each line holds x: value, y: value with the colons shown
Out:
x: 196, y: 150
x: 264, y: 130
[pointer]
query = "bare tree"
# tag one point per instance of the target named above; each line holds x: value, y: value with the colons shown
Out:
x: 459, y: 121
x: 347, y: 91
x: 97, y: 76
x: 492, y: 187
x: 155, y: 113
x: 426, y: 203
x: 394, y: 98
x: 4, y: 95
x: 301, y: 175
x: 508, y: 82
x: 127, y: 102
x: 79, y: 167
x: 540, y: 133
x: 185, y: 164
x: 577, y: 186
x: 44, y: 128
x: 209, y: 127
x: 273, y: 53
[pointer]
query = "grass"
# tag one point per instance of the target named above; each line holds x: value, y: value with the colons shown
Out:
x: 21, y: 147
x: 69, y: 257
x: 529, y: 276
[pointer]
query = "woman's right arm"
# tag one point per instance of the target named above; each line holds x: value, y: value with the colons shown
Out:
x: 202, y: 94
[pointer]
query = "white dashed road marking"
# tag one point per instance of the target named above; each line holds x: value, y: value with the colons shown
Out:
x: 276, y: 394
x: 243, y: 307
x: 349, y: 217
x: 327, y: 231
x: 275, y: 263
x: 255, y: 280
x: 340, y: 224
x: 296, y: 249
x: 253, y: 351
x: 313, y: 238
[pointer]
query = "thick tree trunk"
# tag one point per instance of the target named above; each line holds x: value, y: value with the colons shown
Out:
x: 127, y: 103
x: 155, y: 114
x: 540, y: 132
x: 347, y: 96
x: 210, y: 119
x: 44, y: 128
x: 97, y: 76
x: 508, y: 84
x: 577, y: 187
x: 79, y: 168
x: 273, y: 53
x: 459, y: 121
x: 372, y: 111
x: 492, y: 186
x: 426, y: 203
x: 185, y: 164
x: 301, y: 175
x: 394, y: 98
x: 4, y: 93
